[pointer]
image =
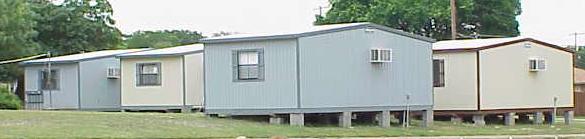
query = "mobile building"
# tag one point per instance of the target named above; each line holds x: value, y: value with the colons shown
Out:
x: 85, y: 81
x: 579, y: 92
x: 502, y: 76
x: 163, y: 79
x: 340, y: 69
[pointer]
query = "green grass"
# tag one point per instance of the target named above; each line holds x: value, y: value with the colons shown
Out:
x: 63, y: 124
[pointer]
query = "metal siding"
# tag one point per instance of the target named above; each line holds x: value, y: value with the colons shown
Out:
x: 97, y: 91
x: 66, y: 96
x: 335, y: 70
x: 194, y: 79
x: 504, y: 74
x: 460, y: 82
x: 278, y: 90
x: 169, y: 93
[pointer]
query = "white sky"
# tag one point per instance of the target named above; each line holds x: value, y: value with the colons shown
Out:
x: 549, y: 20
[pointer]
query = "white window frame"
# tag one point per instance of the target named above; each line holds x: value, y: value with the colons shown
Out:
x: 140, y: 74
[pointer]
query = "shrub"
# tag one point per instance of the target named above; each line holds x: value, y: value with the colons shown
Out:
x: 8, y: 100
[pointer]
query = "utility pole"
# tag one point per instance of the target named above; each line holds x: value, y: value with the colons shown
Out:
x: 320, y: 8
x: 48, y: 79
x: 576, y: 34
x: 453, y: 20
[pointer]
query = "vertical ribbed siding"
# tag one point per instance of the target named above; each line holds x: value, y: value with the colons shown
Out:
x: 336, y: 71
x: 63, y: 98
x: 278, y: 90
x: 194, y: 79
x: 97, y: 91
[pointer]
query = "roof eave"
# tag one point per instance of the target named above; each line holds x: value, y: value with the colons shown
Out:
x: 160, y: 55
x: 52, y: 62
x: 456, y: 50
x: 313, y: 33
x: 256, y: 38
x: 75, y: 61
x: 503, y: 44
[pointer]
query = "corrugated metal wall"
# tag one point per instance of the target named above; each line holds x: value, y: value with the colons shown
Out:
x: 97, y: 91
x: 194, y: 79
x: 336, y: 70
x: 169, y: 93
x: 63, y: 98
x: 504, y: 73
x: 278, y: 90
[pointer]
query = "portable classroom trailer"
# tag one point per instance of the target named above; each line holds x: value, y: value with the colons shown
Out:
x: 502, y: 76
x: 340, y: 69
x: 86, y: 81
x: 163, y: 79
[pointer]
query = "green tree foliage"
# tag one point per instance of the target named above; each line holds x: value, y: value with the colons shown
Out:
x: 496, y: 17
x: 8, y: 100
x: 162, y: 39
x: 429, y: 17
x: 75, y: 25
x: 16, y: 35
x: 580, y: 61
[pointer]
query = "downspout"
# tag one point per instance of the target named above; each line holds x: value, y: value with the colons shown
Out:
x: 78, y: 86
x: 478, y: 80
x: 184, y: 87
x: 204, y: 80
x: 298, y: 74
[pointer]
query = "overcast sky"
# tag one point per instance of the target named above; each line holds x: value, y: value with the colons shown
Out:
x: 548, y: 20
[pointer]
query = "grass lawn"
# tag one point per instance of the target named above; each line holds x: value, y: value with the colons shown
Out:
x: 60, y: 124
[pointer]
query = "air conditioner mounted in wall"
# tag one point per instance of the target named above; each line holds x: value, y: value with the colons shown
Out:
x: 380, y: 55
x: 535, y: 64
x: 113, y: 73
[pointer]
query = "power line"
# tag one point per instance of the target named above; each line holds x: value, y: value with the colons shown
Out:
x: 577, y: 34
x: 22, y: 59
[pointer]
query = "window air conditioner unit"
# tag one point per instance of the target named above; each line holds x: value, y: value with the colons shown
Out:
x: 536, y: 64
x: 380, y: 55
x: 113, y: 73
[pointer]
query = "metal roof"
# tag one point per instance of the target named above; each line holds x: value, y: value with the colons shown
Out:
x: 171, y: 51
x: 80, y: 57
x: 471, y: 43
x: 315, y: 30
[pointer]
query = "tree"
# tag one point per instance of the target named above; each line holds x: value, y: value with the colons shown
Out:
x: 429, y: 18
x: 223, y: 33
x: 16, y: 36
x: 580, y: 59
x: 496, y: 17
x: 75, y: 25
x: 162, y: 39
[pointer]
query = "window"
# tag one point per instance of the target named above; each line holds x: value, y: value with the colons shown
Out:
x: 438, y: 72
x: 378, y: 55
x: 149, y: 74
x: 49, y: 81
x: 536, y: 64
x: 248, y: 65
